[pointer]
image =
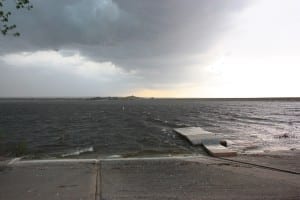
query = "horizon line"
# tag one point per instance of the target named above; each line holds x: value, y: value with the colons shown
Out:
x: 132, y: 96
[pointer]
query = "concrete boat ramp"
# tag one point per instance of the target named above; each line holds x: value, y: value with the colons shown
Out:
x: 210, y: 141
x: 186, y: 177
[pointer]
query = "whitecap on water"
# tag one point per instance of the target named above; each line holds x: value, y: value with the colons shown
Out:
x: 78, y: 151
x: 114, y: 156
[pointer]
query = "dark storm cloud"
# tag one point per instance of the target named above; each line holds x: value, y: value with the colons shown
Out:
x: 133, y: 34
x: 157, y: 42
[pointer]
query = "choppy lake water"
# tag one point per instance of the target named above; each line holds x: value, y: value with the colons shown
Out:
x: 91, y: 128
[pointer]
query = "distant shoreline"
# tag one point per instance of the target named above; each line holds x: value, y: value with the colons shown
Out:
x: 153, y: 98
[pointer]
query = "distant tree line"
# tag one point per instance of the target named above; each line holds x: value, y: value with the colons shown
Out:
x: 5, y: 26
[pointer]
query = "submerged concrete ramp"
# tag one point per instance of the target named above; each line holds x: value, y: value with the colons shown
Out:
x: 195, y: 135
x: 217, y: 150
x: 209, y: 140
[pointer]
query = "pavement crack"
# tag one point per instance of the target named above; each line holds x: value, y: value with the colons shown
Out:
x: 98, y: 182
x: 261, y: 166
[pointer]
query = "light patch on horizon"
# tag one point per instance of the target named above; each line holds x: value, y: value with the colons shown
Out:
x: 157, y: 93
x: 179, y: 91
x: 241, y: 77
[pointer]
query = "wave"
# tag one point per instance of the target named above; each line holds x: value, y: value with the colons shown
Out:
x: 168, y: 123
x: 78, y: 152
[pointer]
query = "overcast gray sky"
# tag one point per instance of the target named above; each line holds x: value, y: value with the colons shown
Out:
x: 160, y: 48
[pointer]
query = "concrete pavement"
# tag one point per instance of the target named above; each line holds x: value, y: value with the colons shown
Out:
x: 199, y: 177
x: 48, y: 181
